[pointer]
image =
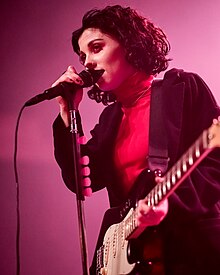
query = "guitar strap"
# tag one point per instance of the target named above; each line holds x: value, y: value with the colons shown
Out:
x: 158, y: 148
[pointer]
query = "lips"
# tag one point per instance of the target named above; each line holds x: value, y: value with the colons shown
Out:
x: 101, y: 79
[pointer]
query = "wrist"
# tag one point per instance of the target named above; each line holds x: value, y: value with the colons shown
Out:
x: 64, y: 113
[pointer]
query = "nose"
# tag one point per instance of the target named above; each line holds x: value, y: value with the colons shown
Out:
x: 89, y: 63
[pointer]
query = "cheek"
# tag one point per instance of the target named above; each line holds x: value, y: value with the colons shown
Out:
x: 113, y: 78
x: 116, y: 67
x: 115, y: 59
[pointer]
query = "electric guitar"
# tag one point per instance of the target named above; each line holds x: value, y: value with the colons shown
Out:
x: 119, y: 231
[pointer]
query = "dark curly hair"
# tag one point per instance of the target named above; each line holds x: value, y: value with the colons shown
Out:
x: 146, y: 46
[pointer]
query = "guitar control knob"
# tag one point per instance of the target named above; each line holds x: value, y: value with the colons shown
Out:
x: 158, y: 173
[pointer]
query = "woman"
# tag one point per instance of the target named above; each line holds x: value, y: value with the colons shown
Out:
x: 132, y: 51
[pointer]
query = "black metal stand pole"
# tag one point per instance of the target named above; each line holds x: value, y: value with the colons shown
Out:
x: 79, y: 195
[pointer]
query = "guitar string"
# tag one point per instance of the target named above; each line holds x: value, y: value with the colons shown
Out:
x: 119, y: 240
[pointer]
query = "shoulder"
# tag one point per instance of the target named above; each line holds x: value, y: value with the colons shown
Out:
x: 111, y: 110
x: 175, y: 76
x: 109, y: 118
x: 194, y: 86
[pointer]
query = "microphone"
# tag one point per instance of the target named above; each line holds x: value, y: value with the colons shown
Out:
x: 89, y: 77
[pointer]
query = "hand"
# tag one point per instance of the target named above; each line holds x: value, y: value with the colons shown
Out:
x: 147, y: 216
x: 72, y: 77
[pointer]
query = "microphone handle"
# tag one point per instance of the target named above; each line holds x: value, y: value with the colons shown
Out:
x: 89, y: 78
x: 51, y: 93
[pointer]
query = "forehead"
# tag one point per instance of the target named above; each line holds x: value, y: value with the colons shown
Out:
x: 92, y: 34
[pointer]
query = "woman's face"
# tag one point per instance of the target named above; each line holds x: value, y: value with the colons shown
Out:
x: 102, y: 51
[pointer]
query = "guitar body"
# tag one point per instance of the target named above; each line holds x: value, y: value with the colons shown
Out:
x: 121, y: 256
x: 117, y: 255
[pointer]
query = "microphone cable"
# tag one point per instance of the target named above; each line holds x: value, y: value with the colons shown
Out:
x: 17, y: 195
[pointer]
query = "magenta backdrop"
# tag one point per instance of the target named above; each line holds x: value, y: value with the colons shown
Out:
x: 35, y: 50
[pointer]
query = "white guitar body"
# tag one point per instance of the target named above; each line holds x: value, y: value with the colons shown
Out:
x: 115, y: 251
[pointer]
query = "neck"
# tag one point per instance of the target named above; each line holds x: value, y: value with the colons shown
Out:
x: 133, y: 88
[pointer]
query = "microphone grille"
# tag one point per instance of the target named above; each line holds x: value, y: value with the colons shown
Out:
x: 90, y: 77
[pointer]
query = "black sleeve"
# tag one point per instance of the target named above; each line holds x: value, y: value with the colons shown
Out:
x: 98, y: 149
x: 199, y: 194
x: 63, y: 150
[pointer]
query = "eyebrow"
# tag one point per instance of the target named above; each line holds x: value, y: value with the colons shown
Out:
x: 91, y: 42
x: 94, y: 40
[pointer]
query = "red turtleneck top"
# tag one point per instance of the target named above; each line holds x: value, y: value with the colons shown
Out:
x: 131, y: 146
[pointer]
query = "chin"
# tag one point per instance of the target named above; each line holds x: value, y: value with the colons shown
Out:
x: 104, y: 86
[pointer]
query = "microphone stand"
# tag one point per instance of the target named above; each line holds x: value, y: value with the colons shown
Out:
x: 89, y: 77
x: 77, y: 179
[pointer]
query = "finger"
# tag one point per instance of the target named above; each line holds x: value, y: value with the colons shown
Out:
x: 70, y: 75
x: 71, y: 69
x: 161, y: 208
x: 216, y: 120
x: 82, y: 140
x: 86, y: 184
x: 73, y: 76
x: 143, y: 207
x: 159, y: 179
x: 63, y: 78
x: 84, y: 160
x: 85, y: 171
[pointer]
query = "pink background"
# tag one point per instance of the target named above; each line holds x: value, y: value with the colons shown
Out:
x: 35, y: 50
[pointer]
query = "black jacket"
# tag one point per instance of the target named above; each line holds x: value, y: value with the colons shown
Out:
x: 192, y: 227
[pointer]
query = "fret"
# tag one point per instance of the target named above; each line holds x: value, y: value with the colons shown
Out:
x: 149, y: 199
x: 159, y: 191
x: 164, y: 189
x: 168, y: 184
x: 173, y: 178
x: 197, y: 150
x: 178, y: 172
x: 152, y: 199
x: 190, y: 157
x: 184, y: 165
x: 156, y: 198
x: 190, y: 161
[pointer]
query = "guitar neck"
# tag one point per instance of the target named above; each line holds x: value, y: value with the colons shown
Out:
x: 176, y: 175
